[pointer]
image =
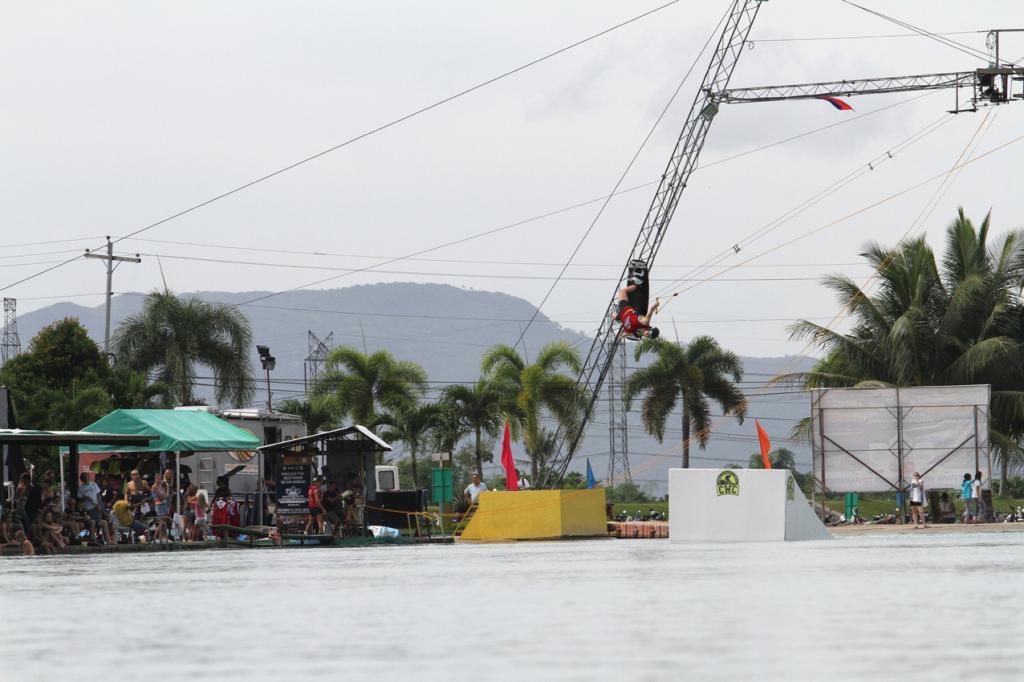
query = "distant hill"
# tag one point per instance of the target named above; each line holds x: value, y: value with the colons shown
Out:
x: 446, y: 330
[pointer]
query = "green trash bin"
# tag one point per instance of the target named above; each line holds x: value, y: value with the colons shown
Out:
x: 850, y: 501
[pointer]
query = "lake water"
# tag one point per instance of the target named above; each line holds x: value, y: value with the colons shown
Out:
x: 897, y: 607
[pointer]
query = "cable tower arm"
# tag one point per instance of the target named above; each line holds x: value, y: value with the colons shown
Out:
x: 681, y: 164
x: 993, y: 85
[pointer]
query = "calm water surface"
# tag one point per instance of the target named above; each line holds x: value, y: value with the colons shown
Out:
x: 899, y: 607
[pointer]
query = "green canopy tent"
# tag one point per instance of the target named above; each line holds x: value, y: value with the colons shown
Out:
x: 177, y: 431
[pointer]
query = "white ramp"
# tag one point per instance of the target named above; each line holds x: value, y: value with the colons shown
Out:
x: 739, y: 505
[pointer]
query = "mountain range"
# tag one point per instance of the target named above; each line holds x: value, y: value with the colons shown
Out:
x: 447, y: 329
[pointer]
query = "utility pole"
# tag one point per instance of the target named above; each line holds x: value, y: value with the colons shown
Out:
x: 110, y: 259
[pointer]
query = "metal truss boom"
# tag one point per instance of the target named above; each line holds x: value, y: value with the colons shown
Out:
x: 681, y: 164
x: 990, y: 85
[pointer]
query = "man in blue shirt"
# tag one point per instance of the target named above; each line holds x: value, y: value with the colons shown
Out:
x: 965, y: 497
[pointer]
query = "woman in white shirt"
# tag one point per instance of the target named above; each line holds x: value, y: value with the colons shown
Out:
x: 917, y: 501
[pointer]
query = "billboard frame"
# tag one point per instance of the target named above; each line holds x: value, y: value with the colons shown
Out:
x: 900, y: 449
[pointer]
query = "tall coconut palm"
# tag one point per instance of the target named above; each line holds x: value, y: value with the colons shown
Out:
x: 172, y: 336
x: 366, y: 384
x: 692, y: 375
x: 132, y: 390
x: 318, y: 413
x: 482, y: 407
x: 926, y: 325
x: 411, y: 426
x: 537, y: 389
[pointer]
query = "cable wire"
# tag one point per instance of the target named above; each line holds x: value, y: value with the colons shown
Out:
x: 362, y: 136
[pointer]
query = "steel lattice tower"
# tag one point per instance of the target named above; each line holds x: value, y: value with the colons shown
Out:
x: 314, y: 363
x: 618, y: 441
x: 12, y: 343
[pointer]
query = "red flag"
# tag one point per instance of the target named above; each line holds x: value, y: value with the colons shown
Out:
x: 837, y: 103
x: 511, y: 479
x: 766, y: 445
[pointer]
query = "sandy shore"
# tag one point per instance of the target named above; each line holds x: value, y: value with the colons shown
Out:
x: 881, y: 529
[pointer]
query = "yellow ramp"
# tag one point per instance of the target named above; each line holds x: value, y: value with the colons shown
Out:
x: 538, y: 515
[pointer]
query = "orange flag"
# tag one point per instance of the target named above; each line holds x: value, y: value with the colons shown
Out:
x: 766, y: 445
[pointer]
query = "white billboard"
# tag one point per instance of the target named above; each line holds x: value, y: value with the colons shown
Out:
x: 874, y: 439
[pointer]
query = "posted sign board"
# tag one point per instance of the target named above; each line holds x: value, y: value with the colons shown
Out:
x: 292, y: 501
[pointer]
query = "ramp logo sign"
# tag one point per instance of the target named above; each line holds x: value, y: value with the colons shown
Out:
x: 790, y: 489
x: 727, y: 484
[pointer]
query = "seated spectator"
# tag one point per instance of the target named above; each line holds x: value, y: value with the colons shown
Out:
x: 6, y: 531
x: 48, y: 532
x: 21, y: 541
x: 123, y: 517
x: 946, y: 512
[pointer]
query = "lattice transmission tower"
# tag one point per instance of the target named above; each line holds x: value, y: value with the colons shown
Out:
x: 618, y: 439
x: 314, y: 363
x: 11, y: 343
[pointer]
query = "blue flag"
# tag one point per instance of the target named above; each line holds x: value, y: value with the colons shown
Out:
x: 591, y: 481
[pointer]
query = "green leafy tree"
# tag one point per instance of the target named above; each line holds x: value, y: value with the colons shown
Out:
x: 59, y: 357
x: 78, y: 406
x: 693, y: 375
x: 173, y: 336
x: 412, y: 427
x: 535, y: 390
x: 366, y: 384
x: 961, y: 322
x: 781, y: 458
x: 627, y: 492
x: 319, y: 413
x: 481, y: 407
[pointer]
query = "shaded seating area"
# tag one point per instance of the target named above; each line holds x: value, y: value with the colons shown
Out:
x: 177, y: 433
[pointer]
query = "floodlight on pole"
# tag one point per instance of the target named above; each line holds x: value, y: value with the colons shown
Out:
x: 268, y: 363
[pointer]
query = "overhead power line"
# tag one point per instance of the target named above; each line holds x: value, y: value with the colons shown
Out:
x: 366, y: 134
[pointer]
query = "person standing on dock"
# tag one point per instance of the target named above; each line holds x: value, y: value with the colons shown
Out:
x: 917, y: 501
x: 473, y: 490
x: 979, y: 506
x: 965, y: 497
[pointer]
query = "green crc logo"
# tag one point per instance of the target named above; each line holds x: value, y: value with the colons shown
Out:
x: 727, y: 483
x: 790, y: 489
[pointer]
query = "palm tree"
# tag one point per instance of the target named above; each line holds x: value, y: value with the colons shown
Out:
x: 482, y: 408
x: 317, y: 412
x: 961, y: 323
x: 536, y: 389
x: 364, y: 384
x: 691, y: 374
x: 780, y: 458
x: 411, y: 426
x: 172, y: 335
x: 132, y: 390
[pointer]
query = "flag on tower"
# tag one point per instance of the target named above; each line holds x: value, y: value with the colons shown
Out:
x: 591, y: 481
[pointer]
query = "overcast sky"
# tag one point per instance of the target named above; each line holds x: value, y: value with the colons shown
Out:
x: 117, y: 115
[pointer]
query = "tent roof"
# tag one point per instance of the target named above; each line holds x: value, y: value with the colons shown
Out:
x: 356, y: 430
x: 38, y: 437
x: 178, y: 431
